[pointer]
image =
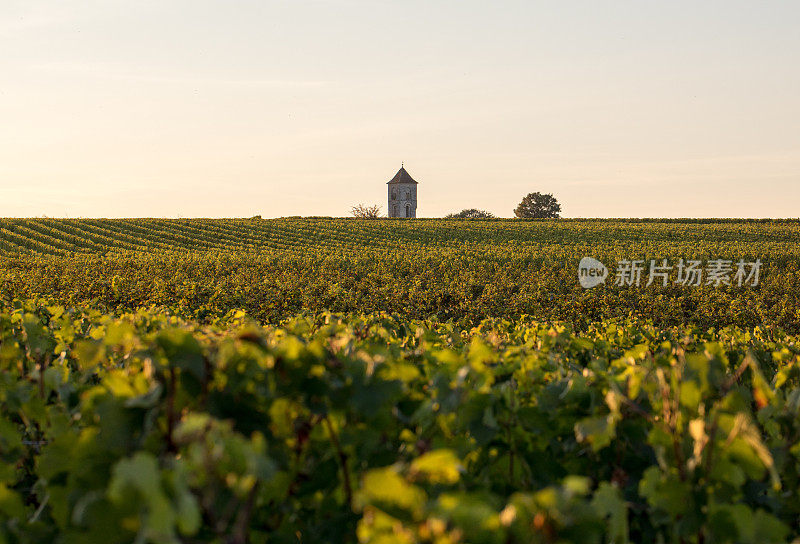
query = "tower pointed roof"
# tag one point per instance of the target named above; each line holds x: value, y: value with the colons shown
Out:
x: 402, y: 177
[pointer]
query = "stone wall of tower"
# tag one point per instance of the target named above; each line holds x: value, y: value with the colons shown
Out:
x: 402, y: 200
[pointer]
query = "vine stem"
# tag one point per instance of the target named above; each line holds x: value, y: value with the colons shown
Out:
x: 348, y: 489
x: 171, y: 447
x: 242, y: 522
x: 510, y: 457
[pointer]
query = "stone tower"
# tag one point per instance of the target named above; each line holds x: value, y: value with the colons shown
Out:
x: 402, y: 195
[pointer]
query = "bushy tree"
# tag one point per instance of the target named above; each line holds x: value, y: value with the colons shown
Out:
x: 366, y: 212
x: 538, y: 206
x: 470, y: 213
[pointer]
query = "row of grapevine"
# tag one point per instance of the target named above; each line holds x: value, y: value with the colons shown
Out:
x: 60, y: 236
x: 415, y: 282
x: 375, y: 428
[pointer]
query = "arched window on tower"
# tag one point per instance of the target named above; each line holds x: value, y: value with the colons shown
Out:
x: 394, y: 194
x: 394, y: 210
x: 408, y: 210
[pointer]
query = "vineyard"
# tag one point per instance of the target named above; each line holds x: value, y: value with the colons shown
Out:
x: 430, y: 381
x: 91, y: 236
x: 275, y: 269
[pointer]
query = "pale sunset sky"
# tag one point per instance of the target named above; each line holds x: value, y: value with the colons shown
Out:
x: 211, y: 108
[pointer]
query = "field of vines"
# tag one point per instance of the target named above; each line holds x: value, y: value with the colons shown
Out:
x: 305, y: 380
x: 275, y: 269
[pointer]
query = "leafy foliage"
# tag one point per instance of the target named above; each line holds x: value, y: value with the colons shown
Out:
x: 375, y: 428
x: 175, y: 381
x: 470, y: 213
x: 538, y: 206
x: 274, y: 269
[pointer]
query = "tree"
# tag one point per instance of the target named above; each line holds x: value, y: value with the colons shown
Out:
x: 470, y: 213
x: 538, y: 206
x: 366, y: 212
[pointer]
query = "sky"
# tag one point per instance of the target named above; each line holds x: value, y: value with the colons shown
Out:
x: 211, y: 108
